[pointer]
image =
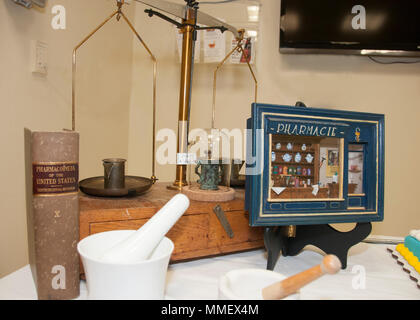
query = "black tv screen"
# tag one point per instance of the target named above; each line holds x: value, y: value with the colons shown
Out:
x: 370, y: 27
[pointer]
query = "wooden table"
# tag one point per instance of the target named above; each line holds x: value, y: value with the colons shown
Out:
x: 197, y: 234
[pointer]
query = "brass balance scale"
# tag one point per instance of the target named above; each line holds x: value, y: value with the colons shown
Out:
x: 114, y: 183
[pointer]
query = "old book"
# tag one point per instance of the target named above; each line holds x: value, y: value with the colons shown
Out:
x: 53, y: 221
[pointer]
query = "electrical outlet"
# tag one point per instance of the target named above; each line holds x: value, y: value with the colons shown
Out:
x: 39, y: 53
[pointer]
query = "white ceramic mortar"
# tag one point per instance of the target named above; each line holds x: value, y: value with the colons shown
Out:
x: 247, y: 284
x: 143, y: 280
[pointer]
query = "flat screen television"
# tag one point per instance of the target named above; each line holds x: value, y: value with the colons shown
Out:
x: 367, y: 27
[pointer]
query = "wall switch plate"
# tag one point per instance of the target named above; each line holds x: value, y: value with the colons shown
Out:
x: 39, y: 57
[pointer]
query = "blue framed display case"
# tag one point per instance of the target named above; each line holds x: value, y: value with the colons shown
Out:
x: 308, y: 166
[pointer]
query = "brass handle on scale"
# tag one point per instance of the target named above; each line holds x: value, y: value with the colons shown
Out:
x: 119, y: 14
x: 240, y: 49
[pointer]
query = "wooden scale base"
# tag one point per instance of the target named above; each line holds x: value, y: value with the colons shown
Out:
x: 198, y: 233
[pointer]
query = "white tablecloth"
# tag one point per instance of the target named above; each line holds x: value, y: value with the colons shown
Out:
x: 198, y: 280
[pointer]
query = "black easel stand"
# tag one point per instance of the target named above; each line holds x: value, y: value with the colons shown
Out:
x: 323, y: 236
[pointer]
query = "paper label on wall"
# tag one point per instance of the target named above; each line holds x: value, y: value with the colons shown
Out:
x: 239, y: 57
x: 214, y: 45
x: 197, y: 50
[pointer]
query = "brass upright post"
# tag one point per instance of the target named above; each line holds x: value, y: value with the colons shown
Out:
x: 184, y: 96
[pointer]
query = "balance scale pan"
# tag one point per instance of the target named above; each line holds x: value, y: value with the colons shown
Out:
x: 133, y: 186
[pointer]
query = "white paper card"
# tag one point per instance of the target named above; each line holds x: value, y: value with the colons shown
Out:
x: 186, y: 158
x: 214, y: 45
x: 315, y: 189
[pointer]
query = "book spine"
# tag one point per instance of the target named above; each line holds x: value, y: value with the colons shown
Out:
x: 55, y: 176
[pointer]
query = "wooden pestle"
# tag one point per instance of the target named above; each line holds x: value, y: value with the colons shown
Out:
x: 279, y: 290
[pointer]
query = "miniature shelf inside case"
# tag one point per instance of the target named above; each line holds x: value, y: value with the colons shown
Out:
x: 305, y: 168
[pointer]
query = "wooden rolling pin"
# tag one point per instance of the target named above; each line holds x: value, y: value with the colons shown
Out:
x: 279, y: 290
